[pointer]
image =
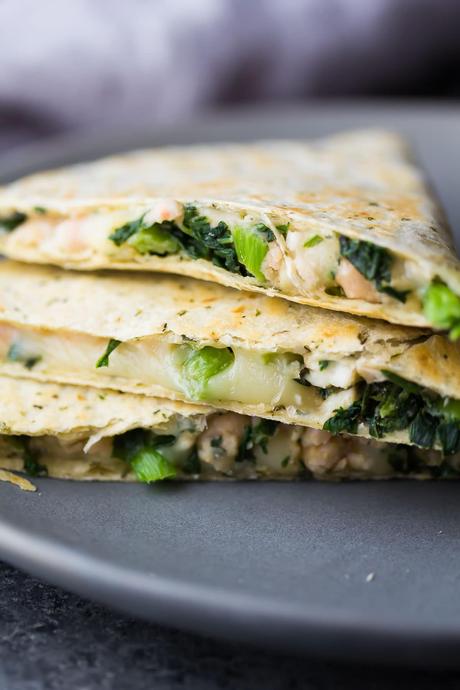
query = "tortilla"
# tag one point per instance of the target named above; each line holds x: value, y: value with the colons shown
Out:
x: 74, y: 432
x: 182, y: 339
x: 346, y: 223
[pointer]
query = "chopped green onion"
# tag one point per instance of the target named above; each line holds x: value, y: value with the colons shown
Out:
x: 154, y: 240
x: 149, y: 465
x: 201, y: 365
x: 251, y: 247
x: 313, y: 241
x: 441, y: 307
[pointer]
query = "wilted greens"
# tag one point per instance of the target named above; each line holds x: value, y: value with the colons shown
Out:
x: 240, y: 250
x: 373, y: 262
x: 396, y: 405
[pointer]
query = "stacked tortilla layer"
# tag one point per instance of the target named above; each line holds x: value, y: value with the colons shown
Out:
x: 122, y: 375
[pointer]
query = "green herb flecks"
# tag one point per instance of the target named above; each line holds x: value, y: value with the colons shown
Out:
x: 441, y: 307
x: 373, y: 262
x: 12, y: 221
x: 103, y: 360
x: 255, y: 436
x: 323, y: 364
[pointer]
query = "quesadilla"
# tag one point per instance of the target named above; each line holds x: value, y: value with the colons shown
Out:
x: 74, y: 432
x: 182, y: 339
x: 345, y: 223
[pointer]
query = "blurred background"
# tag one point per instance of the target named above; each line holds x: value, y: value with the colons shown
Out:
x: 86, y: 64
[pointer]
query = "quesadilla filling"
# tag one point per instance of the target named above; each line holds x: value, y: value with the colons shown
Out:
x: 267, y: 251
x: 231, y: 445
x: 349, y: 394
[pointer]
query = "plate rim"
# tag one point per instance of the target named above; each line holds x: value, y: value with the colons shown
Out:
x: 230, y: 616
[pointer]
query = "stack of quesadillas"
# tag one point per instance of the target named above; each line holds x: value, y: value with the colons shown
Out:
x: 257, y: 355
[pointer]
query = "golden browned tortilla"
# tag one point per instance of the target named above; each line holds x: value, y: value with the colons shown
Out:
x: 345, y: 223
x: 187, y: 340
x: 75, y: 432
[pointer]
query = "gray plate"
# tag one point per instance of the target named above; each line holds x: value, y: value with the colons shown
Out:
x: 355, y: 571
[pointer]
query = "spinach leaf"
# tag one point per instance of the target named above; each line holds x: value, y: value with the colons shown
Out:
x: 386, y: 407
x: 30, y: 456
x: 344, y: 419
x: 373, y: 262
x: 215, y: 243
x: 12, y: 221
x: 422, y: 430
x: 449, y: 437
x: 397, y: 405
x: 124, y: 232
x: 241, y: 253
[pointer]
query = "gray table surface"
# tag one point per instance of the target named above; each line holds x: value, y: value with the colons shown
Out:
x: 51, y: 640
